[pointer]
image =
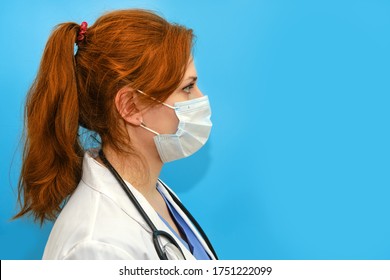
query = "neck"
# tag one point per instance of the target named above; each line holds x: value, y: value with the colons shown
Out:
x: 139, y: 170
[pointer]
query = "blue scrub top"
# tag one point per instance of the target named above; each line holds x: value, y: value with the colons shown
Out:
x: 192, y: 243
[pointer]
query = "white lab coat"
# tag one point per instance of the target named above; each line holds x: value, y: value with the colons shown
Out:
x: 100, y: 222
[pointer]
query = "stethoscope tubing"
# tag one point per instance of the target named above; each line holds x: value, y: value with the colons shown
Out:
x: 156, y: 233
x: 145, y: 216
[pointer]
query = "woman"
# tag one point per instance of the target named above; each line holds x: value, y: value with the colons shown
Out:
x: 133, y: 82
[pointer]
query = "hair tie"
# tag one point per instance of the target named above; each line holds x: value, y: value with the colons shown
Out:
x: 82, y: 31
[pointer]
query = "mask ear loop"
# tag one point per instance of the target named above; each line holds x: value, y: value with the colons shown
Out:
x: 169, y: 106
x: 142, y: 123
x: 148, y: 129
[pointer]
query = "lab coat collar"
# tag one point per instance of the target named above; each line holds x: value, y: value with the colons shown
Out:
x: 163, y: 188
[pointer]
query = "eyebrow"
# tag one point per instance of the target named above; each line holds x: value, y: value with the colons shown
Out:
x: 193, y: 78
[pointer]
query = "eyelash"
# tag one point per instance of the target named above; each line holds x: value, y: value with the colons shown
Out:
x: 187, y: 89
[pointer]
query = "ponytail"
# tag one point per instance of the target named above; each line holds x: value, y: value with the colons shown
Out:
x: 134, y: 48
x: 52, y: 153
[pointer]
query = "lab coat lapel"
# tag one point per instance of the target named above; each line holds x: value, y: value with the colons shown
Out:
x: 162, y: 186
x: 156, y: 220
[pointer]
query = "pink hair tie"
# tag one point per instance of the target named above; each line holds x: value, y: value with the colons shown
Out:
x: 83, y: 30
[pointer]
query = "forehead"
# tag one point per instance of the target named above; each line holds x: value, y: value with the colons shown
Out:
x: 191, y: 69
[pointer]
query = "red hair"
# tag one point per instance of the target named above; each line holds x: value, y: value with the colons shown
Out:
x: 134, y: 48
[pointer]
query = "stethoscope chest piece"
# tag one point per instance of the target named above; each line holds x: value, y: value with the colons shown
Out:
x: 168, y: 251
x: 173, y: 252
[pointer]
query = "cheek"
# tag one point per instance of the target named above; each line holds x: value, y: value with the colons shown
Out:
x: 174, y: 123
x: 162, y: 119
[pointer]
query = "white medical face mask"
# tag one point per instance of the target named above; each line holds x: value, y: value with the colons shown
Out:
x: 192, y: 132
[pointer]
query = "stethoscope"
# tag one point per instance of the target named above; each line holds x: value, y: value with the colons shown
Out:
x: 171, y: 247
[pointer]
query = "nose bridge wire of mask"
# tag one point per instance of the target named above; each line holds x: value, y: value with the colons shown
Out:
x: 156, y: 233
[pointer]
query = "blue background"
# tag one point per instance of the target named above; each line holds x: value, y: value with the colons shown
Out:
x: 297, y: 166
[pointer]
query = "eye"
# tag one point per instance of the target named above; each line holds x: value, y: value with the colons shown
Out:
x: 188, y: 88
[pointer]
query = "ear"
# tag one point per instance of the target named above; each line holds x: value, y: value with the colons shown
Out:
x: 126, y: 106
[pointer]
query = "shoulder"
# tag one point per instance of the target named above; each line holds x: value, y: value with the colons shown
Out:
x: 99, y: 250
x: 93, y: 226
x: 96, y: 250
